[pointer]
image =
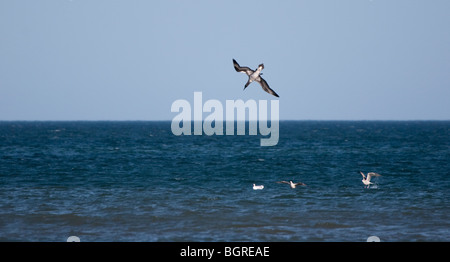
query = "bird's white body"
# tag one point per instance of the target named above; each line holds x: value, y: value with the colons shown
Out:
x: 256, y: 74
x: 365, y: 182
x: 292, y: 185
x: 255, y: 187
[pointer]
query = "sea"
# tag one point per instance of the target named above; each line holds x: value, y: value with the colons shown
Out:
x: 135, y: 181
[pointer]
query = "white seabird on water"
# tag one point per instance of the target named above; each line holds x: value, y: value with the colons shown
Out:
x: 255, y: 187
x: 254, y: 75
x: 291, y: 184
x: 366, y: 180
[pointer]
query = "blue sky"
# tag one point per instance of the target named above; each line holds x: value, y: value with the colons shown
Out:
x: 130, y: 60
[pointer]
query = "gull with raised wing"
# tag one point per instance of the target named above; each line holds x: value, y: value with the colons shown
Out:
x: 366, y: 179
x: 292, y: 184
x: 254, y: 75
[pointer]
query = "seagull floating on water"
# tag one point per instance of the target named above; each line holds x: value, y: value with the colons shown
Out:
x: 366, y: 180
x: 290, y: 183
x: 254, y: 75
x: 255, y: 187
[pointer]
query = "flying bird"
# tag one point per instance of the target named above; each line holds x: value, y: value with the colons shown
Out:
x: 366, y: 180
x: 291, y: 184
x: 254, y: 75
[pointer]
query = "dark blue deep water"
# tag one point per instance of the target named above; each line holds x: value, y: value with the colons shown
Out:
x: 136, y: 181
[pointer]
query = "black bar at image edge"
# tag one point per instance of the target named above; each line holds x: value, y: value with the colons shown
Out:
x: 216, y: 250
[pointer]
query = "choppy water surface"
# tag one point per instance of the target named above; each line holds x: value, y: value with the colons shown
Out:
x: 136, y: 181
